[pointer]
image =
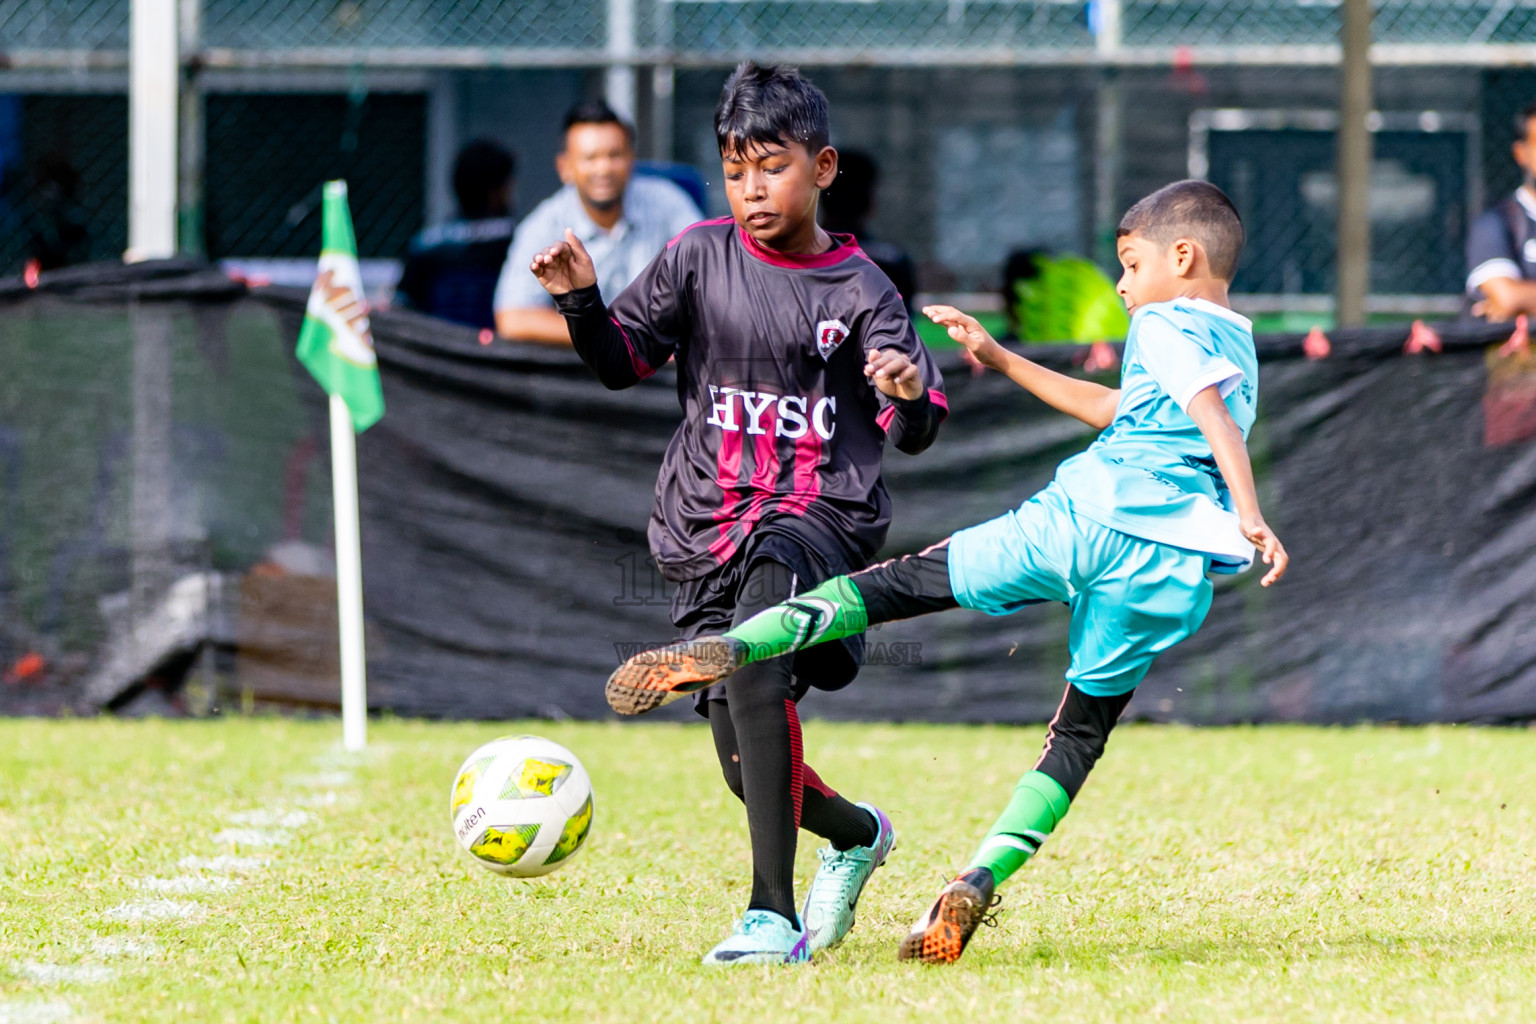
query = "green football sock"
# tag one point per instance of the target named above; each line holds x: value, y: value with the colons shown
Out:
x: 828, y: 612
x: 1038, y: 805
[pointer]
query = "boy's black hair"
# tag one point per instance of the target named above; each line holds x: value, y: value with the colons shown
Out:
x: 481, y: 168
x: 1190, y: 209
x: 596, y: 112
x: 1523, y: 120
x: 770, y: 105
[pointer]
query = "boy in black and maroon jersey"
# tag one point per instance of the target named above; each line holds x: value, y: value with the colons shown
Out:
x: 796, y: 360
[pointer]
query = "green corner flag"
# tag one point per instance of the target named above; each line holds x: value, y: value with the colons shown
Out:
x: 336, y: 344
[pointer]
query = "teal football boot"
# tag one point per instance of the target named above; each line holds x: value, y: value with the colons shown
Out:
x: 761, y: 937
x: 834, y: 894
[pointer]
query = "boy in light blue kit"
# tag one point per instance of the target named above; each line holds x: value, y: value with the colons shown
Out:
x: 1125, y: 535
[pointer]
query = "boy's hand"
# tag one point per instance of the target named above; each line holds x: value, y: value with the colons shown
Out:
x: 1490, y: 310
x: 1270, y: 548
x: 893, y: 373
x: 564, y: 266
x: 968, y: 332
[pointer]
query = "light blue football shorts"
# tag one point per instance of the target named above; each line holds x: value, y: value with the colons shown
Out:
x: 1131, y: 599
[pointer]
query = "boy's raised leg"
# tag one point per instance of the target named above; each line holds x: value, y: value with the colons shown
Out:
x: 842, y: 606
x: 650, y: 679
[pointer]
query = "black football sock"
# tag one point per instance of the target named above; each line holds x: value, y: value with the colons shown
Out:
x: 725, y: 746
x: 836, y: 819
x: 1077, y: 735
x: 759, y: 703
x: 822, y: 811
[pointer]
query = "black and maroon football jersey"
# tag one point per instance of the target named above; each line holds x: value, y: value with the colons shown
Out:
x: 778, y: 417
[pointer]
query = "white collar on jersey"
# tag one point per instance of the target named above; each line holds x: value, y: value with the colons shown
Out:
x: 1221, y: 311
x: 1524, y: 198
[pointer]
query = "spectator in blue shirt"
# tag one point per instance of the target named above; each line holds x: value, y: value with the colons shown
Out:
x: 623, y: 219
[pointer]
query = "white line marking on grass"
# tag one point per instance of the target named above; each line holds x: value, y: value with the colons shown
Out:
x: 322, y: 780
x: 35, y: 1013
x: 224, y: 864
x: 265, y: 826
x: 329, y: 798
x: 153, y: 910
x: 133, y: 949
x: 272, y: 816
x: 339, y: 757
x: 253, y: 837
x: 63, y: 974
x: 187, y: 885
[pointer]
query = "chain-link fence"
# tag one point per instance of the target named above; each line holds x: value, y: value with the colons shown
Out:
x: 709, y: 29
x: 263, y: 198
x: 998, y: 124
x: 64, y: 185
x: 64, y: 25
x: 64, y: 188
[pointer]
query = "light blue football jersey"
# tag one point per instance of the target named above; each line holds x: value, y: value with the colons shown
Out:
x: 1151, y: 474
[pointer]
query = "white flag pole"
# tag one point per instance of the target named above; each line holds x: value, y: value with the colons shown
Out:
x: 349, y: 577
x: 153, y: 105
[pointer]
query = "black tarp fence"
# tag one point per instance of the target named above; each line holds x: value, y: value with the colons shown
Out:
x: 154, y: 428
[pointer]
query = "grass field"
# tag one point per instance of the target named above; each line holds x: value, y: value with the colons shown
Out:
x: 1224, y: 874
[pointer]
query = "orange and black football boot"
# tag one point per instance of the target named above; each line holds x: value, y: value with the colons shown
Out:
x: 653, y: 678
x: 940, y: 935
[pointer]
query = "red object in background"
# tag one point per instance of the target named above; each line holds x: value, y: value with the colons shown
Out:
x: 1317, y: 345
x: 30, y: 272
x: 295, y: 474
x: 249, y: 280
x: 486, y: 336
x: 1509, y: 404
x: 27, y: 669
x: 1101, y: 357
x: 1185, y: 78
x: 1520, y: 341
x: 1421, y: 338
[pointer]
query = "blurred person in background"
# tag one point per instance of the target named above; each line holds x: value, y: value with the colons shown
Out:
x: 624, y: 220
x: 56, y: 222
x: 1501, y: 247
x: 451, y: 269
x: 1052, y: 297
x: 845, y: 209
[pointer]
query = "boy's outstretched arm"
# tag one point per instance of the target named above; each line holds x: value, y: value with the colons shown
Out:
x: 1221, y: 432
x: 566, y: 271
x: 565, y: 266
x: 1092, y: 403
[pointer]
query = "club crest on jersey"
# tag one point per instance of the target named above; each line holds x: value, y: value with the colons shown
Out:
x: 829, y: 335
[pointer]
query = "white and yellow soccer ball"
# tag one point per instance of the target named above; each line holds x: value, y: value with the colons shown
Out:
x: 521, y: 805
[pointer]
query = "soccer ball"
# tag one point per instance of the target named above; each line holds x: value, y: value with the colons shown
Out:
x: 521, y: 805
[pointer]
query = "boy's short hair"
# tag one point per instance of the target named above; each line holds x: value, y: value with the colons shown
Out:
x: 768, y: 105
x: 1523, y: 120
x: 596, y: 112
x: 1190, y: 209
